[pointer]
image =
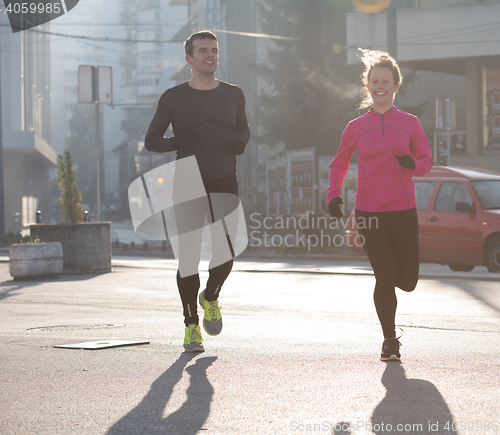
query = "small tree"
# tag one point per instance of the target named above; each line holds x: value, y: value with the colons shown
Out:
x: 71, y: 196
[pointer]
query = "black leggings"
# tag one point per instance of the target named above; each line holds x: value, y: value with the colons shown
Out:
x: 189, y: 285
x: 391, y: 245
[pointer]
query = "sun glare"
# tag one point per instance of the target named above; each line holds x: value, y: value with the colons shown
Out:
x: 371, y: 6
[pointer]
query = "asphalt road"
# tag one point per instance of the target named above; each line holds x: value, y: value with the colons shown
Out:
x: 298, y: 354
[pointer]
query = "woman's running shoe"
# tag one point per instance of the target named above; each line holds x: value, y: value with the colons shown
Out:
x: 390, y: 350
x: 192, y: 339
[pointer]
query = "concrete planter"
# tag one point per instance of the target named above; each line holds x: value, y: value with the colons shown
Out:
x: 86, y: 246
x: 33, y: 260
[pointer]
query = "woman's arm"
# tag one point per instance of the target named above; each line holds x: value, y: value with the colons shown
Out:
x: 340, y: 164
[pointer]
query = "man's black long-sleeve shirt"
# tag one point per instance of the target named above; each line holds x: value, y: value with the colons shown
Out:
x: 217, y: 114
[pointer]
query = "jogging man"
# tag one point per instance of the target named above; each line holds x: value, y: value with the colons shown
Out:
x: 209, y: 122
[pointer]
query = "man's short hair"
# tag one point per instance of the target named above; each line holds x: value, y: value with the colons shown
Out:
x: 202, y: 34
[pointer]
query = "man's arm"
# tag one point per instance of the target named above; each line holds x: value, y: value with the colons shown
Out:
x: 154, y: 140
x: 242, y: 130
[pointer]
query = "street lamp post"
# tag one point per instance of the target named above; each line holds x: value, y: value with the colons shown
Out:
x: 2, y: 209
x: 392, y: 30
x: 445, y: 120
x: 95, y: 86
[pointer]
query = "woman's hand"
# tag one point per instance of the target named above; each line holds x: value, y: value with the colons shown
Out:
x: 334, y: 207
x: 406, y: 161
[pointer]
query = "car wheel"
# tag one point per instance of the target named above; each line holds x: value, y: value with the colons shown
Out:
x: 492, y: 255
x: 456, y: 267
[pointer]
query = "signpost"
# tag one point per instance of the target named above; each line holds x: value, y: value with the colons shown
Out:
x: 445, y: 120
x: 95, y: 85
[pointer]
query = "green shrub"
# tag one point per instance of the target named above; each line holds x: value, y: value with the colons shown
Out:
x: 71, y: 196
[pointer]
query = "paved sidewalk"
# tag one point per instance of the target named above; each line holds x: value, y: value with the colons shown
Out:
x: 292, y: 264
x: 337, y: 265
x: 341, y: 264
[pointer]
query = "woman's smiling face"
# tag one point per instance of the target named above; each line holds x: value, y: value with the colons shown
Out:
x: 381, y: 86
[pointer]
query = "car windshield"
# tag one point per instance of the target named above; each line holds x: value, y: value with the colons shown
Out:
x: 488, y: 193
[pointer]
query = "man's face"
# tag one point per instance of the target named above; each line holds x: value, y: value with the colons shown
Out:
x: 205, y: 56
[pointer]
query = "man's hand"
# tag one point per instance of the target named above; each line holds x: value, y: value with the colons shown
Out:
x: 406, y: 161
x: 334, y: 207
x: 186, y: 140
x: 236, y: 147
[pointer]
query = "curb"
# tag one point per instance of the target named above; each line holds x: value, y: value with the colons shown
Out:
x: 295, y: 270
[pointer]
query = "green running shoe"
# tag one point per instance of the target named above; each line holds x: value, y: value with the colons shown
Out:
x: 192, y: 339
x: 212, y: 321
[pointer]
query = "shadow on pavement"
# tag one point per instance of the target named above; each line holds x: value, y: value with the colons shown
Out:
x: 4, y: 294
x: 34, y: 281
x: 474, y: 289
x: 147, y: 417
x: 11, y: 287
x: 342, y: 428
x: 410, y: 406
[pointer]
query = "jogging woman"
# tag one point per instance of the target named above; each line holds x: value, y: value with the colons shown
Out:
x: 392, y: 148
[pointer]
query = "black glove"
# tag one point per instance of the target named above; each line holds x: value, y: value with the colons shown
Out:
x: 236, y: 147
x: 186, y: 139
x: 334, y: 207
x: 406, y: 161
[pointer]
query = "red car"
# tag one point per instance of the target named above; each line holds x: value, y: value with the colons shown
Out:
x: 459, y: 217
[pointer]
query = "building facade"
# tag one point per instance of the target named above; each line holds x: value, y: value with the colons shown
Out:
x: 147, y: 65
x: 27, y: 152
x: 453, y: 39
